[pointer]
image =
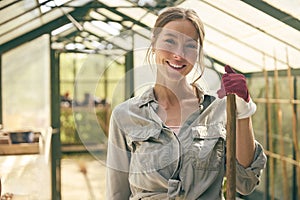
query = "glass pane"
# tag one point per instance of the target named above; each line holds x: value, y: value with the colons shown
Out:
x: 240, y: 35
x: 116, y: 3
x: 239, y: 12
x: 12, y: 30
x: 135, y: 13
x: 144, y: 72
x: 16, y: 9
x: 26, y: 94
x: 5, y: 3
x: 19, y: 21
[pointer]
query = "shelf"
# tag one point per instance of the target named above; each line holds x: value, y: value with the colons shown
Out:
x: 19, y: 149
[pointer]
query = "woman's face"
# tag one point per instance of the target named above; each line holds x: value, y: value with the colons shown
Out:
x: 176, y: 49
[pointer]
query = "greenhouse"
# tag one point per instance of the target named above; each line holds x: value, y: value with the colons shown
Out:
x: 66, y: 64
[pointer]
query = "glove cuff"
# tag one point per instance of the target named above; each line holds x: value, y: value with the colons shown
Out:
x: 244, y: 109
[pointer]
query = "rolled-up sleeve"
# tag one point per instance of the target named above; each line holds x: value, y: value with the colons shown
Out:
x: 248, y: 178
x: 117, y: 165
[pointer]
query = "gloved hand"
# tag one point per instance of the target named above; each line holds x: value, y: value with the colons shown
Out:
x: 234, y: 83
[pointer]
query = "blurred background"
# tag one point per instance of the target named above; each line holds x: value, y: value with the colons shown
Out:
x: 65, y: 64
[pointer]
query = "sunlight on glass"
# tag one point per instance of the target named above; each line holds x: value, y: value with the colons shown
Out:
x: 106, y: 27
x: 62, y: 29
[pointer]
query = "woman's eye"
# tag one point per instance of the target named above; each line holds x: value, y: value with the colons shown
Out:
x: 192, y: 46
x: 170, y: 41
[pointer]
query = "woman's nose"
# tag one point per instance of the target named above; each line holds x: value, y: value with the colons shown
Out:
x: 178, y: 53
x: 177, y: 57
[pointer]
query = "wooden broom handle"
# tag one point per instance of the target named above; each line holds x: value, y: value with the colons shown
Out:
x: 231, y: 148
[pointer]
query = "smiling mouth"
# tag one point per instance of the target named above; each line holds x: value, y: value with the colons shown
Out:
x: 174, y: 66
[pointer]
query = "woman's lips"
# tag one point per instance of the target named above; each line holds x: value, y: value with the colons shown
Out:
x: 175, y: 66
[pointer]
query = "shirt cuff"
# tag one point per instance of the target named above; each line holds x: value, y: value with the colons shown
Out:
x: 248, y: 178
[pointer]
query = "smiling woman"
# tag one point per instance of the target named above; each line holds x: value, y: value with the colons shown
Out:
x: 181, y: 34
x: 176, y: 48
x: 169, y: 143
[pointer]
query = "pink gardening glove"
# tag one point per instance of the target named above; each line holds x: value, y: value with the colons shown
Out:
x: 233, y: 83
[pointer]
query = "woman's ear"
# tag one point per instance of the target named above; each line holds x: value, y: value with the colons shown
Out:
x: 153, y: 50
x: 153, y: 45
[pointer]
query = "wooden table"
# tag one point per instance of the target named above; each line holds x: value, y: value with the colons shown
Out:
x: 25, y: 168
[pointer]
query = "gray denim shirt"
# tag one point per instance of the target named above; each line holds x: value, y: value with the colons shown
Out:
x: 146, y: 160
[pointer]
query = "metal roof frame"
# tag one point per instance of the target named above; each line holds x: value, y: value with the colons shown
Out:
x: 101, y: 5
x: 78, y: 15
x: 44, y: 29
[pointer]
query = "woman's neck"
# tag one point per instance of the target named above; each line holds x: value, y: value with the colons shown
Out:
x: 172, y: 94
x: 174, y: 108
x: 166, y: 97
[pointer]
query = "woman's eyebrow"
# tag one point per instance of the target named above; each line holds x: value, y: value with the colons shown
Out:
x: 170, y: 35
x: 176, y: 36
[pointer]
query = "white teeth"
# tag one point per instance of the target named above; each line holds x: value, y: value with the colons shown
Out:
x: 176, y: 66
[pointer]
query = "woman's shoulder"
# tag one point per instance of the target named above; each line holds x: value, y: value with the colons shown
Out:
x: 131, y: 112
x: 124, y: 106
x: 122, y: 113
x: 135, y: 102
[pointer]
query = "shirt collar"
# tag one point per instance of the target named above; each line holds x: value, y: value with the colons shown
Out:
x: 148, y: 96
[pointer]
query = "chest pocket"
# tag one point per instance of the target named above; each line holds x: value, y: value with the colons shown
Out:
x: 149, y: 150
x: 208, y: 147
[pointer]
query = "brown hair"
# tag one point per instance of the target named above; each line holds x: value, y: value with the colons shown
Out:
x: 176, y: 13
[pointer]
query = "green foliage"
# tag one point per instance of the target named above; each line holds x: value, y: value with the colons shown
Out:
x: 280, y: 120
x: 98, y: 76
x: 85, y: 128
